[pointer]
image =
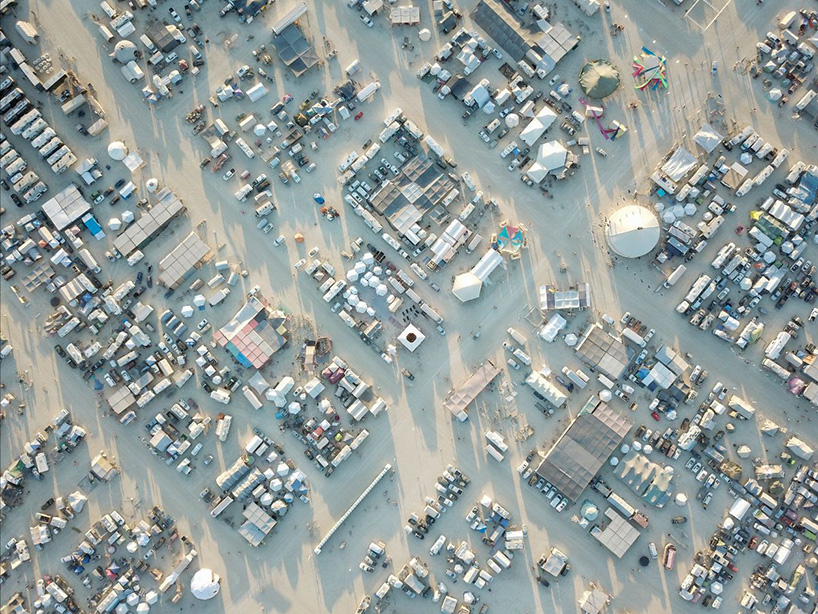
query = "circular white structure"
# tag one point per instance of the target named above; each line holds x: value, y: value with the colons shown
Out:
x: 152, y: 184
x: 632, y: 231
x: 117, y: 150
x: 424, y: 35
x: 512, y: 120
x: 205, y: 584
x: 125, y: 51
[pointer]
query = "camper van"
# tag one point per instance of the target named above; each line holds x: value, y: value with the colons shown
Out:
x: 145, y: 40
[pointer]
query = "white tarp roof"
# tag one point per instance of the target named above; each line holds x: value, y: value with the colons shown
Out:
x: 679, y: 164
x: 550, y: 331
x: 551, y: 155
x: 707, y: 138
x: 66, y: 207
x: 546, y: 116
x: 537, y: 172
x: 467, y: 287
x: 632, y: 231
x: 133, y: 161
x: 532, y: 131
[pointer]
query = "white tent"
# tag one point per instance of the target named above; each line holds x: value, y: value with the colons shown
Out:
x: 467, y: 286
x: 537, y: 172
x: 117, y: 150
x: 679, y: 164
x: 546, y: 116
x: 205, y: 584
x: 552, y: 156
x: 632, y: 231
x: 532, y: 131
x: 707, y: 138
x: 411, y: 337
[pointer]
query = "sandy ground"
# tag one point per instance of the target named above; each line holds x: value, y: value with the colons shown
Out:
x: 415, y: 435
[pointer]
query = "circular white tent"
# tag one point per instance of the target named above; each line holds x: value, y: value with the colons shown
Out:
x: 117, y: 150
x: 205, y: 584
x: 632, y: 231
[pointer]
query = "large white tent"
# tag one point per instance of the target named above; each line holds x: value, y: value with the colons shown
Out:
x: 537, y: 172
x: 467, y: 286
x: 552, y: 155
x: 680, y: 163
x: 205, y: 584
x: 532, y: 131
x: 632, y: 231
x: 546, y: 116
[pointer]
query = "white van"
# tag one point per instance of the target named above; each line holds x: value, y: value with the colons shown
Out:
x: 107, y: 9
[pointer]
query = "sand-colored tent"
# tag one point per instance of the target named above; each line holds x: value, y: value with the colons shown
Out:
x: 599, y: 79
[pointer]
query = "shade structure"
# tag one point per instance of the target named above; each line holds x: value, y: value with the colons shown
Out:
x: 510, y: 239
x: 467, y: 287
x: 599, y: 79
x: 117, y: 150
x: 632, y: 231
x: 205, y: 584
x: 552, y: 155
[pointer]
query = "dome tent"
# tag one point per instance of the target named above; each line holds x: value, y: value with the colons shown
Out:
x: 632, y: 231
x: 599, y: 79
x: 125, y: 51
x: 205, y: 584
x: 117, y: 150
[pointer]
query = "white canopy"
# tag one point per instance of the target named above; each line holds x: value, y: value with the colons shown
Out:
x: 707, y: 138
x: 546, y: 116
x: 467, y: 287
x: 551, y: 155
x: 632, y: 231
x: 537, y: 172
x: 532, y: 131
x: 679, y: 164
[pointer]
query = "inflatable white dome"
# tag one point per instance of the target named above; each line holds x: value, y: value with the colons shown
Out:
x: 205, y: 584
